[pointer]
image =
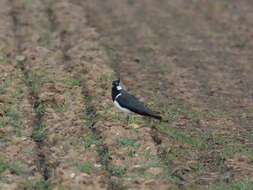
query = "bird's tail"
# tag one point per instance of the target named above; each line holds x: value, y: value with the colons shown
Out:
x: 155, y: 116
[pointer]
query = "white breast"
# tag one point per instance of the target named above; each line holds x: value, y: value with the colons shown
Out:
x: 121, y: 108
x: 118, y: 106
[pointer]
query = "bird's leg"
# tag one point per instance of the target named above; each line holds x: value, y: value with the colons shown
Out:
x: 126, y: 121
x: 118, y: 115
x: 127, y: 118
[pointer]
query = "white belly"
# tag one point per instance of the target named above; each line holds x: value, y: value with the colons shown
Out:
x: 121, y: 108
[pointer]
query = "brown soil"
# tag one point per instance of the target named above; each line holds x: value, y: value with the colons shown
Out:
x: 189, y: 60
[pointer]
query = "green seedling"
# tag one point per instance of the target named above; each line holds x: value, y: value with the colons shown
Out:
x: 85, y: 167
x: 3, y: 166
x: 16, y: 168
x: 126, y: 142
x: 118, y: 171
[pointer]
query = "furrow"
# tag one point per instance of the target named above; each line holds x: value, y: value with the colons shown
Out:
x: 35, y: 101
x: 18, y: 157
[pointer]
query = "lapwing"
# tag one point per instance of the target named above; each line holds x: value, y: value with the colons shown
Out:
x: 129, y: 103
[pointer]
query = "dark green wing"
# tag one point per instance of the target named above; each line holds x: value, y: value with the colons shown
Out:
x: 133, y: 104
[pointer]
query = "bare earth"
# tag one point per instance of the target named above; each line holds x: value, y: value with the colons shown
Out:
x: 191, y: 60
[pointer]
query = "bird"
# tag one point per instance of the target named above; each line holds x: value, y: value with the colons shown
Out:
x: 128, y: 103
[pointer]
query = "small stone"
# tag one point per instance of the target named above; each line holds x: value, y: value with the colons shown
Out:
x: 154, y: 170
x: 85, y: 175
x: 97, y: 165
x: 72, y: 175
x: 20, y: 58
x: 135, y: 126
x: 150, y: 182
x: 148, y: 148
x: 137, y: 166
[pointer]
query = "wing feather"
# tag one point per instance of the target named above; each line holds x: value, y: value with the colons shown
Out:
x: 132, y: 103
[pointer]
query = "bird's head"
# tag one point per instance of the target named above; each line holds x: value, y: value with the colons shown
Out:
x: 116, y: 84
